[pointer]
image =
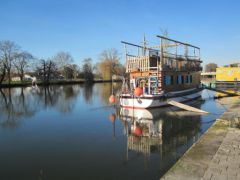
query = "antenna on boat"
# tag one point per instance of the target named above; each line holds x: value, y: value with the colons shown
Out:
x: 144, y: 45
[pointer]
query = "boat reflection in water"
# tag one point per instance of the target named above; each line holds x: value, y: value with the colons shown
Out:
x: 165, y: 132
x: 144, y: 134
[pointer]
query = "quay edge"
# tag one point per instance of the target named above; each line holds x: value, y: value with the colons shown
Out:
x: 208, y: 157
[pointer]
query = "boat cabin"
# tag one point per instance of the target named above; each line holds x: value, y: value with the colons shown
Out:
x: 170, y: 66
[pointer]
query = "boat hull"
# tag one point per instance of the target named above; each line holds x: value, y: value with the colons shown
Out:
x: 154, y: 101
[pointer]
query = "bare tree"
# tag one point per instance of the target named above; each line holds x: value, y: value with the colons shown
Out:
x: 21, y: 63
x: 8, y: 52
x: 63, y: 60
x: 2, y: 71
x: 109, y: 64
x: 72, y: 71
x: 76, y: 70
x: 165, y: 42
x: 211, y: 67
x: 164, y: 32
x: 88, y: 69
x: 47, y: 70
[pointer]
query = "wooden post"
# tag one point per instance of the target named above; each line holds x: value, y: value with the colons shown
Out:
x: 161, y: 60
x: 125, y: 48
x: 199, y: 54
x: 186, y: 51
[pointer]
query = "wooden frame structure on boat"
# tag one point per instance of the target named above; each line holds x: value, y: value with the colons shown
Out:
x: 175, y: 64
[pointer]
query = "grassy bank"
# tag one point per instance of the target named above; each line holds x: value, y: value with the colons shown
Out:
x: 53, y: 82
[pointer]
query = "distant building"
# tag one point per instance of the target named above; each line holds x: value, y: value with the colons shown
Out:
x: 26, y: 77
x: 15, y: 78
x: 208, y: 75
x: 228, y: 73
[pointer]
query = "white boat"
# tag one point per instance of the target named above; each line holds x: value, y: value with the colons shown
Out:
x: 156, y: 75
x: 158, y: 100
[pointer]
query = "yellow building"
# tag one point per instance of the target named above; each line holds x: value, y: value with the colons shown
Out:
x: 228, y: 74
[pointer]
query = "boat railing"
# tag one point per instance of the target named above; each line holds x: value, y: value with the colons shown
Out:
x: 140, y: 63
x: 180, y: 57
x: 183, y: 68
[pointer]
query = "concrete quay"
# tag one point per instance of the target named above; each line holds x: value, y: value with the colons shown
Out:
x: 217, y: 154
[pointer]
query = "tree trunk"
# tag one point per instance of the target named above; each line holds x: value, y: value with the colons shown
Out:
x: 2, y: 76
x: 44, y: 72
x: 21, y: 74
x: 21, y: 78
x: 9, y: 76
x: 4, y: 97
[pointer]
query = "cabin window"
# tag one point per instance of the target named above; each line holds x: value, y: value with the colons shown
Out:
x: 179, y: 79
x: 167, y: 80
x: 171, y: 79
x: 187, y: 79
x: 182, y: 79
x: 153, y: 63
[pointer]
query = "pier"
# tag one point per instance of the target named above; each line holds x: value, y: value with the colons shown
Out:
x: 225, y: 92
x: 217, y: 154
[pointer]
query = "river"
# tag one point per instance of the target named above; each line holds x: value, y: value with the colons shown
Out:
x: 71, y: 132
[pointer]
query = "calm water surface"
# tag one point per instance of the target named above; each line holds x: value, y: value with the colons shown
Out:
x: 71, y: 132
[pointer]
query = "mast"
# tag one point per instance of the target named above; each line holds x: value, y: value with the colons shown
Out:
x: 144, y: 45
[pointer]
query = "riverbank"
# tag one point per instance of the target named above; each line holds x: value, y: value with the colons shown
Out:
x: 212, y: 83
x: 217, y: 154
x: 55, y: 82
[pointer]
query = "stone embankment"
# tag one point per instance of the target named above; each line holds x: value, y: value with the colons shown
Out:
x: 217, y: 154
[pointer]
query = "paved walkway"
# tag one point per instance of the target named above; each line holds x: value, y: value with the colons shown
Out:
x: 226, y: 162
x: 216, y: 155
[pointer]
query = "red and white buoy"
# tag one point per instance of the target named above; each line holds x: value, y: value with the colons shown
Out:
x: 138, y: 131
x: 112, y: 99
x: 112, y: 117
x: 138, y: 91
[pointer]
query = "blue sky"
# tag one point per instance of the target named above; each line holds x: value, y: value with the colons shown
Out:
x: 85, y: 28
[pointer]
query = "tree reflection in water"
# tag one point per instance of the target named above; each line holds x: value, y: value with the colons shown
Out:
x: 105, y: 90
x: 20, y: 103
x: 15, y: 105
x: 88, y: 92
